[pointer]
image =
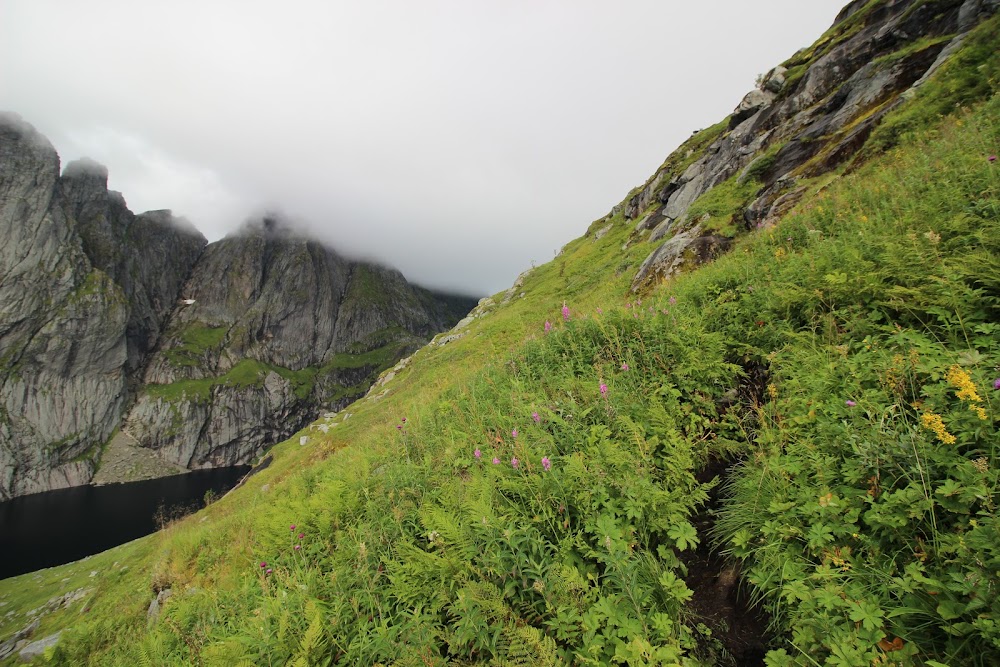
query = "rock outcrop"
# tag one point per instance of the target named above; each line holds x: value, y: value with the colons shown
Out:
x: 272, y: 329
x: 808, y: 116
x: 206, y: 354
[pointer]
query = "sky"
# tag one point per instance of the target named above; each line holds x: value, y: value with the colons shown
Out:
x: 460, y: 141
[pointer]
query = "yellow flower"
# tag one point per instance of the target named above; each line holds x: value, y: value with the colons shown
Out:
x: 933, y: 422
x: 963, y: 383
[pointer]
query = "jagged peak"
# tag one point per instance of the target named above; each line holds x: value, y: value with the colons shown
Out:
x: 85, y: 167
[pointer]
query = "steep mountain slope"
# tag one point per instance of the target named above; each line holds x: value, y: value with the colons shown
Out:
x: 532, y: 492
x: 278, y: 328
x: 84, y: 286
x: 94, y: 334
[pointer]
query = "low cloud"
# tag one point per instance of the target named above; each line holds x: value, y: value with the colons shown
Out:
x: 456, y: 141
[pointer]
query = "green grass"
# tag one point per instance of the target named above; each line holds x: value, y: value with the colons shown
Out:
x: 194, y: 342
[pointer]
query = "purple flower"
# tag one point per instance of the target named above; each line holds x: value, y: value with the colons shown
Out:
x: 849, y: 403
x: 604, y: 389
x: 403, y: 420
x: 268, y: 571
x: 298, y: 546
x: 548, y: 326
x: 399, y: 427
x: 301, y: 535
x: 546, y: 463
x: 496, y: 461
x: 263, y: 565
x: 992, y: 158
x: 624, y: 367
x: 996, y: 383
x: 514, y: 462
x: 513, y: 433
x: 535, y: 417
x: 600, y: 311
x: 291, y: 527
x: 565, y: 312
x: 672, y: 300
x: 478, y: 454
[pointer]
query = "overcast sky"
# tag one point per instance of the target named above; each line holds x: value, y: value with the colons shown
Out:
x: 457, y: 140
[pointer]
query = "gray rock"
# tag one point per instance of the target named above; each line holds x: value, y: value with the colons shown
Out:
x: 688, y: 247
x: 36, y: 649
x: 18, y: 640
x: 156, y: 605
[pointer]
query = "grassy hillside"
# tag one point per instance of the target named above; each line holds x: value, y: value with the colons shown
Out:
x: 531, y: 492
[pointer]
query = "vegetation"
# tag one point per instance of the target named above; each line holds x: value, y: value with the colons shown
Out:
x: 529, y: 493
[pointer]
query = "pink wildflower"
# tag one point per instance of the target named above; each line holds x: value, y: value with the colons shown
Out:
x: 513, y: 433
x: 548, y: 326
x: 478, y: 454
x: 849, y: 403
x: 268, y: 571
x: 291, y: 527
x: 624, y: 367
x: 546, y: 463
x: 298, y: 546
x: 514, y: 462
x: 565, y: 312
x: 600, y: 311
x: 604, y: 389
x: 672, y: 300
x: 263, y: 565
x: 536, y: 417
x: 301, y: 535
x: 496, y: 461
x: 996, y: 383
x: 992, y: 158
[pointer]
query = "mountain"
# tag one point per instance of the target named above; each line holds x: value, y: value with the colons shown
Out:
x: 97, y: 334
x: 748, y: 417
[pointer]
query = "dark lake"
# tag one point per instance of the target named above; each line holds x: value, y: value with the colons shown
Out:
x: 56, y: 527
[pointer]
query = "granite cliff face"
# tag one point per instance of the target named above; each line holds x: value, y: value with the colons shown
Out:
x: 71, y: 321
x: 205, y: 353
x: 277, y: 327
x: 807, y: 117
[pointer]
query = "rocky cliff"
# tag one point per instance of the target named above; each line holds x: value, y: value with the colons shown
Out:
x: 75, y: 314
x: 274, y: 328
x: 206, y: 354
x: 808, y: 117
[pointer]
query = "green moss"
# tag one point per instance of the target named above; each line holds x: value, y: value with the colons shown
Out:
x: 724, y: 203
x: 193, y: 342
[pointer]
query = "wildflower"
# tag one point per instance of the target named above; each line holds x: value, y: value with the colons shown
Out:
x: 600, y: 311
x: 298, y: 546
x: 604, y: 389
x: 934, y: 423
x: 291, y: 527
x: 546, y: 463
x: 496, y: 461
x: 849, y: 403
x: 996, y: 384
x: 672, y: 301
x: 513, y: 433
x: 263, y: 565
x: 963, y: 383
x: 565, y: 312
x: 992, y: 158
x: 514, y: 462
x: 268, y: 571
x: 478, y: 454
x: 403, y: 420
x: 548, y: 326
x: 399, y: 427
x: 624, y: 367
x: 535, y: 417
x: 301, y: 535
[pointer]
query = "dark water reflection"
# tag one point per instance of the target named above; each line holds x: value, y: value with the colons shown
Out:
x: 46, y: 529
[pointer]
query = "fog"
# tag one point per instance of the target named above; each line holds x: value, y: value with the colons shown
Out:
x: 458, y: 141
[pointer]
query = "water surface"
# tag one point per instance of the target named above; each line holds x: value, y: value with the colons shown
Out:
x: 56, y: 527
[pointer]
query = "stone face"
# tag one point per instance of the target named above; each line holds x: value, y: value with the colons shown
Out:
x: 62, y: 328
x: 96, y: 303
x: 811, y: 121
x: 260, y: 351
